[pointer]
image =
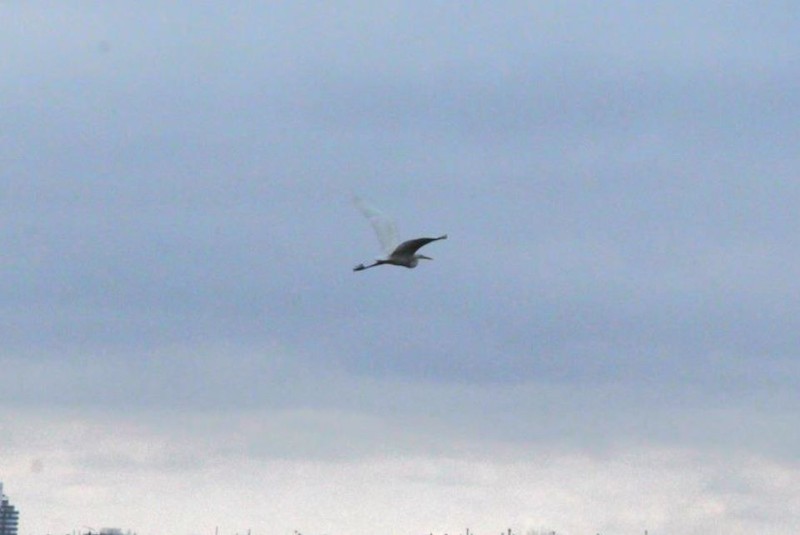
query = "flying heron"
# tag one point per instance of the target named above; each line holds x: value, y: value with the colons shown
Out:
x: 404, y: 254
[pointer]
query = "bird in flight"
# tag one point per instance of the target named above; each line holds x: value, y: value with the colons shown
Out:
x: 397, y: 254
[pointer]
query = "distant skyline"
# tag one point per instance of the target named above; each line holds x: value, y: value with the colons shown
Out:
x: 606, y: 342
x: 9, y: 515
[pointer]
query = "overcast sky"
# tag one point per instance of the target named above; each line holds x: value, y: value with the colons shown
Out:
x: 607, y: 342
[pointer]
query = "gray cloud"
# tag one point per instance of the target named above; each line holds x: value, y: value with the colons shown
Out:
x: 616, y: 203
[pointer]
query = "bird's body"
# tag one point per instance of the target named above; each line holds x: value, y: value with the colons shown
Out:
x: 404, y: 254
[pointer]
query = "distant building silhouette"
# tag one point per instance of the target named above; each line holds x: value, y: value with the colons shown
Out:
x: 9, y: 516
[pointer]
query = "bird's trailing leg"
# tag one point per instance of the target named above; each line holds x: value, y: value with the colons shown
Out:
x: 362, y: 267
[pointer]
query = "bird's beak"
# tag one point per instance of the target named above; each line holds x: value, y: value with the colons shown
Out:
x: 424, y: 257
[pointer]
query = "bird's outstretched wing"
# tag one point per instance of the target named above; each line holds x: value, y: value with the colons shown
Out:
x: 410, y: 247
x: 384, y: 227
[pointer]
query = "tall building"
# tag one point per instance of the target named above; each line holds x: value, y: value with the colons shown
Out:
x: 9, y: 516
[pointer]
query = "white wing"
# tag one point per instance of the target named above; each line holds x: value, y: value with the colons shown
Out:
x: 384, y: 227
